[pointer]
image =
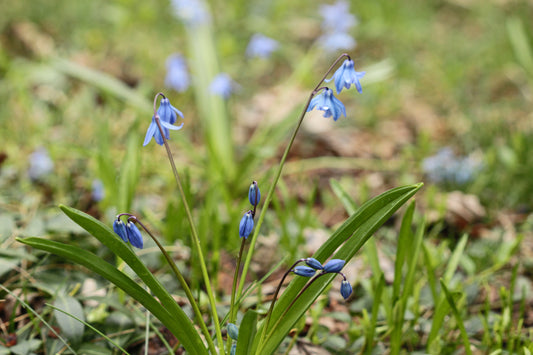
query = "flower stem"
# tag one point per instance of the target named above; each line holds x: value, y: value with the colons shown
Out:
x: 232, y: 310
x: 194, y: 233
x: 185, y: 287
x: 278, y: 175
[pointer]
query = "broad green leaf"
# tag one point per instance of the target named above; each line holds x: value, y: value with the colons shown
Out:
x: 72, y: 328
x: 247, y: 332
x: 353, y: 233
x: 180, y: 326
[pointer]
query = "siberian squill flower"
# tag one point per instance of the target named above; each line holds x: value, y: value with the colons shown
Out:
x: 315, y: 264
x: 246, y: 225
x: 328, y: 103
x: 445, y: 166
x: 177, y: 77
x: 346, y: 75
x: 128, y: 232
x: 305, y: 271
x: 222, y: 85
x: 98, y: 192
x: 254, y: 195
x: 346, y: 289
x: 191, y: 12
x: 334, y: 266
x: 167, y: 117
x: 337, y: 17
x: 40, y: 164
x: 261, y: 46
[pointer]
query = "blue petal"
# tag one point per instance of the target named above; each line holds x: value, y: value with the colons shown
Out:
x: 134, y: 235
x: 315, y: 264
x: 305, y: 271
x: 150, y: 133
x: 170, y: 126
x: 334, y: 265
x: 120, y: 229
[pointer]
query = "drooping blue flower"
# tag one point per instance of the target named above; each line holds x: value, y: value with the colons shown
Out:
x: 334, y: 266
x: 346, y: 75
x: 346, y: 289
x: 246, y: 225
x: 191, y: 12
x: 446, y: 167
x: 40, y: 164
x: 120, y: 228
x: 97, y: 190
x: 337, y: 41
x: 261, y: 46
x: 305, y: 271
x: 337, y: 17
x: 222, y: 85
x: 134, y: 235
x: 177, y: 77
x: 254, y: 195
x: 233, y: 331
x: 167, y: 117
x: 328, y: 103
x: 315, y: 264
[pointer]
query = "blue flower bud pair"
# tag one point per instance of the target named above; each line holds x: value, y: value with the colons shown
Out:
x: 128, y: 232
x: 333, y: 266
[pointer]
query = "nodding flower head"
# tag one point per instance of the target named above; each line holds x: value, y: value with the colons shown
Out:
x: 346, y: 289
x: 305, y: 271
x: 315, y: 264
x: 168, y: 115
x: 254, y: 195
x: 177, y: 77
x: 334, y: 266
x: 233, y: 331
x: 134, y: 235
x: 346, y: 75
x: 328, y: 103
x: 120, y: 228
x: 246, y: 225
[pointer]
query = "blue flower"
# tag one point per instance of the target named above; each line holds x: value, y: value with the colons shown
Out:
x: 254, y: 195
x: 134, y: 235
x: 305, y: 271
x: 177, y: 76
x: 167, y: 117
x: 337, y: 17
x: 222, y: 85
x: 338, y: 41
x: 191, y: 12
x: 246, y: 225
x: 446, y: 167
x: 261, y: 46
x: 40, y: 164
x: 233, y: 331
x: 328, y: 103
x: 334, y: 265
x: 346, y: 289
x: 98, y: 192
x: 315, y: 264
x: 120, y: 228
x: 346, y: 75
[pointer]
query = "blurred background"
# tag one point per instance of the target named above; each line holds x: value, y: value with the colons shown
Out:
x: 447, y: 100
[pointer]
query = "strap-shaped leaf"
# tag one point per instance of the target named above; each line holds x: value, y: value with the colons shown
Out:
x: 181, y: 328
x: 354, y: 232
x: 247, y: 332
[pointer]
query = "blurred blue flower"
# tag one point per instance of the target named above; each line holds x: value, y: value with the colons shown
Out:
x: 254, y: 195
x: 346, y: 289
x: 261, y: 46
x: 191, y: 12
x: 40, y: 164
x: 328, y: 103
x: 337, y: 17
x: 338, y: 41
x: 177, y: 75
x: 167, y: 117
x: 120, y: 228
x: 134, y: 235
x: 246, y: 225
x: 346, y: 75
x: 305, y: 271
x: 446, y: 167
x: 222, y: 85
x: 334, y: 265
x: 315, y: 264
x: 98, y: 192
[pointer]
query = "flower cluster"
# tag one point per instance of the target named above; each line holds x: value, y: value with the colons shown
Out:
x: 337, y: 22
x: 128, y: 232
x: 446, y: 167
x: 167, y: 115
x: 334, y: 266
x: 247, y: 222
x: 344, y: 77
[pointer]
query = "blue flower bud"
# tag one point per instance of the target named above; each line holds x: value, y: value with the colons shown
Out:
x: 134, y: 235
x: 304, y: 271
x: 254, y: 195
x: 233, y: 331
x: 315, y: 264
x: 346, y: 289
x: 334, y: 265
x: 120, y: 229
x: 246, y: 225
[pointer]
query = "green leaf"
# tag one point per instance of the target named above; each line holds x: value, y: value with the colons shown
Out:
x: 458, y: 318
x: 247, y: 332
x: 72, y: 328
x: 353, y: 233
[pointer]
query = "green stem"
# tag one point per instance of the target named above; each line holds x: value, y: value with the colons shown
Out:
x: 278, y: 175
x: 185, y: 287
x: 195, y: 238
